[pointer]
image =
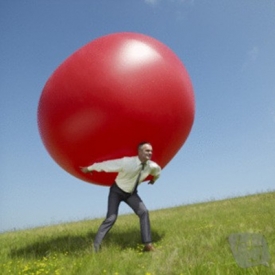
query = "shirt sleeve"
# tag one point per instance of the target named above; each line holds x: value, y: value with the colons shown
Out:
x: 107, y: 166
x: 155, y: 171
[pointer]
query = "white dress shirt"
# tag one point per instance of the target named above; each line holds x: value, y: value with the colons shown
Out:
x: 128, y: 169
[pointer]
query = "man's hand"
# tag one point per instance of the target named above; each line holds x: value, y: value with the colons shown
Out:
x: 84, y: 170
x: 151, y: 182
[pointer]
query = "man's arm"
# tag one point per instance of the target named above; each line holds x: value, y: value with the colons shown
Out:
x: 155, y: 173
x: 105, y: 166
x: 85, y: 170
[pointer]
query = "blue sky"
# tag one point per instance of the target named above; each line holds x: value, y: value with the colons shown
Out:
x: 228, y: 48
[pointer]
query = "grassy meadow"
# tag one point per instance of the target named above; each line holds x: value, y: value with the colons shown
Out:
x: 190, y: 239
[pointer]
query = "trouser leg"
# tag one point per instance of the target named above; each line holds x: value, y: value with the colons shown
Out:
x: 114, y: 200
x: 135, y: 202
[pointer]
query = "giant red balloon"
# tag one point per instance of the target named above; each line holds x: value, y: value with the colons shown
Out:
x: 111, y: 94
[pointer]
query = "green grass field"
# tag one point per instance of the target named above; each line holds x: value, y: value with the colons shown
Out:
x: 191, y: 239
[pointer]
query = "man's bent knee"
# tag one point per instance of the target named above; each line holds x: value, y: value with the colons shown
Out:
x: 142, y: 210
x: 111, y: 219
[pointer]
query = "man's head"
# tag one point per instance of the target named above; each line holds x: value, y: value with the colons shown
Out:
x: 145, y: 151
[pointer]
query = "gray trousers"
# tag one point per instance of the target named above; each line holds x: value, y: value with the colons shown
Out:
x: 116, y: 196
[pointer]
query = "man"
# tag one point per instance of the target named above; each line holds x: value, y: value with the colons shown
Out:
x: 131, y: 172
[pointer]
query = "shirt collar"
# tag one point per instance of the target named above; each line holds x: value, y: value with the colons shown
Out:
x: 139, y: 162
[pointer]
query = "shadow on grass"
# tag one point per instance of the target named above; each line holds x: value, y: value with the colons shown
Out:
x: 52, y: 245
x: 128, y: 239
x: 78, y: 244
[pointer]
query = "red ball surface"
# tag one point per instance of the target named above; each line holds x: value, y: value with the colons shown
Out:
x: 110, y: 95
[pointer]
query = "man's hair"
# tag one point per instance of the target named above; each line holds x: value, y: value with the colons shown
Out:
x: 142, y: 143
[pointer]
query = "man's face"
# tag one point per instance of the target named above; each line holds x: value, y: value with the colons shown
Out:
x: 145, y: 152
